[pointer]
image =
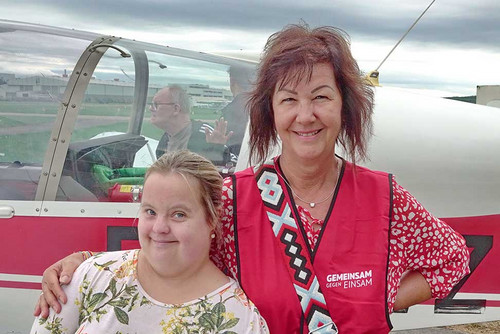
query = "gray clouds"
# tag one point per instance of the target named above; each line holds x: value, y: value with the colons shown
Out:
x: 374, y: 26
x: 463, y: 22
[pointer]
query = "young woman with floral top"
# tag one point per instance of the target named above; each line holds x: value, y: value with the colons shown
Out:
x: 170, y: 285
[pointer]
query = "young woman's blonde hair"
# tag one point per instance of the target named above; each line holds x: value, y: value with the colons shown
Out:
x: 195, y: 167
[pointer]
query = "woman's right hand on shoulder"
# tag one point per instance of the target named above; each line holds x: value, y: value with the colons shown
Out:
x: 60, y: 273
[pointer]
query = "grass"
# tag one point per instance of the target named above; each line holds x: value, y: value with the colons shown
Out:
x: 109, y: 109
x: 24, y: 148
x: 31, y: 141
x: 14, y: 121
x: 478, y: 328
x: 28, y: 107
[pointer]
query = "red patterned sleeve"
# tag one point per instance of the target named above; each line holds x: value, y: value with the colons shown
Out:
x: 419, y: 241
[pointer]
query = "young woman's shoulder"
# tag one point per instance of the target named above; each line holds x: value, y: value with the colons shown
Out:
x: 240, y: 307
x: 117, y: 264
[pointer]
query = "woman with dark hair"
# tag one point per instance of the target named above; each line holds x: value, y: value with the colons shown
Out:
x: 289, y: 57
x: 316, y: 241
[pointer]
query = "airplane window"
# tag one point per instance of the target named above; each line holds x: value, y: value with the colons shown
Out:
x: 102, y: 151
x: 202, y: 92
x: 116, y: 138
x: 34, y: 70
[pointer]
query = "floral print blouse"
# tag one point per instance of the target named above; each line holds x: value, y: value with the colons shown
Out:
x: 105, y: 296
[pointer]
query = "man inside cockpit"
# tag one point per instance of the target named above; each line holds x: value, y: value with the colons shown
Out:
x: 170, y: 111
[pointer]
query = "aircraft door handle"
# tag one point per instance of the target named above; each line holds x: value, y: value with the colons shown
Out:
x: 6, y: 211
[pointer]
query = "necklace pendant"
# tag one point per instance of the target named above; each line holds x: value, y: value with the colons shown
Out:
x: 312, y: 204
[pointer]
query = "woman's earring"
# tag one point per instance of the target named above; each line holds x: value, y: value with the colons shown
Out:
x: 212, y: 235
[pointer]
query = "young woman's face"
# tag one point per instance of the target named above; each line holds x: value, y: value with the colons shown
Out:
x: 308, y: 116
x: 173, y: 229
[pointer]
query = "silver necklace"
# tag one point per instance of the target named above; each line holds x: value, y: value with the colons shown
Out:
x: 311, y: 204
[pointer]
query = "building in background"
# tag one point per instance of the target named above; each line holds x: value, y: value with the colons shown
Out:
x: 488, y: 95
x: 43, y: 88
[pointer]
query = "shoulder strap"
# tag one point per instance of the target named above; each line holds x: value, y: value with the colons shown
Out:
x: 294, y: 251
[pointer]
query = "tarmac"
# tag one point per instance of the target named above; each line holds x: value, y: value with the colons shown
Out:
x: 435, y: 330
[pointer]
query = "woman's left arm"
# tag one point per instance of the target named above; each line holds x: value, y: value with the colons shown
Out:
x: 436, y: 256
x: 413, y: 289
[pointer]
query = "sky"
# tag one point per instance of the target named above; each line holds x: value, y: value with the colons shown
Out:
x: 454, y: 47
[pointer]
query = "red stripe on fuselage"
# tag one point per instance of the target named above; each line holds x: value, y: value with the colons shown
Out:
x: 30, y: 244
x: 21, y: 285
x: 492, y: 303
x: 486, y: 277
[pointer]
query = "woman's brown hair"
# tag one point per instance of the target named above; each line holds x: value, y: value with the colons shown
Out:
x: 288, y: 57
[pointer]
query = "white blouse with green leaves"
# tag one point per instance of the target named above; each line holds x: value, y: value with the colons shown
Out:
x: 105, y: 296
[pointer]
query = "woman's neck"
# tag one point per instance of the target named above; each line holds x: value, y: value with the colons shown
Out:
x: 310, y: 176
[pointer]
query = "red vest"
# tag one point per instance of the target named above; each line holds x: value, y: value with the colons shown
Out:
x: 350, y: 259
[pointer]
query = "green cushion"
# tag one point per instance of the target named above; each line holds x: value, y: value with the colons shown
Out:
x: 107, y: 177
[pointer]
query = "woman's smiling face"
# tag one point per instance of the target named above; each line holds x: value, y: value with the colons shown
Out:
x: 173, y: 230
x: 308, y: 115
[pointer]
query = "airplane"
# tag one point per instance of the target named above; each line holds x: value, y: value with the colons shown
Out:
x: 75, y: 139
